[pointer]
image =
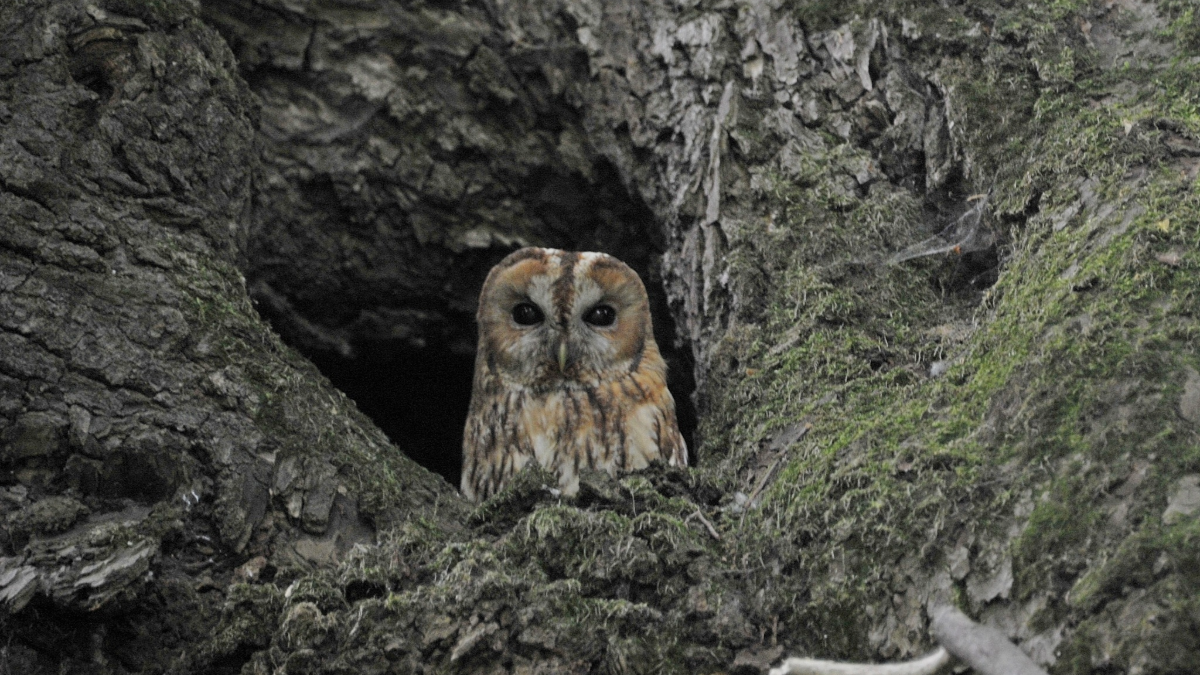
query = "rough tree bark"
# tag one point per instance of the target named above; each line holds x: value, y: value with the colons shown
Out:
x: 936, y: 266
x: 155, y: 433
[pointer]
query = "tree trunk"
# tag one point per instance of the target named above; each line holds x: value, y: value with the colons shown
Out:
x: 928, y: 273
x: 154, y: 433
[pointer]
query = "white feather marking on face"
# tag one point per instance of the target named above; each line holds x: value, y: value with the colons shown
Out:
x: 593, y: 340
x: 587, y: 293
x: 539, y: 291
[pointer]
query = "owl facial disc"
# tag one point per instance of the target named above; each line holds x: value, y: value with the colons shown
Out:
x: 567, y: 373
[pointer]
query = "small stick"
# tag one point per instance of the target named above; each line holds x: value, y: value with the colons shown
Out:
x: 707, y: 525
x: 762, y: 482
x: 983, y: 648
x: 926, y: 665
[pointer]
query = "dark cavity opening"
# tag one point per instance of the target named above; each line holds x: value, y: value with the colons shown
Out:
x: 962, y: 223
x: 418, y: 398
x: 419, y: 395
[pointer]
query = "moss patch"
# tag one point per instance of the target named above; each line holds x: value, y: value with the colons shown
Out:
x: 880, y: 435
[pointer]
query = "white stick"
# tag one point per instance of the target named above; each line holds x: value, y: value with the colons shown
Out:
x: 928, y: 665
x: 985, y: 649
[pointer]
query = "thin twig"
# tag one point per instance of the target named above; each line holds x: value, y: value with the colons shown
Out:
x: 707, y: 525
x: 986, y: 650
x: 926, y: 665
x: 762, y: 482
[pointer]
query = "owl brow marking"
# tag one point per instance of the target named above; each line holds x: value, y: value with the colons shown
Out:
x: 605, y: 262
x: 563, y: 289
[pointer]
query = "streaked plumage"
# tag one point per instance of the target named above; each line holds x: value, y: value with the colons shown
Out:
x: 556, y: 383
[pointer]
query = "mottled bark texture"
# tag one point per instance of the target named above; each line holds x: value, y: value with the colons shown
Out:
x: 154, y: 433
x: 937, y: 265
x: 404, y: 147
x: 406, y: 150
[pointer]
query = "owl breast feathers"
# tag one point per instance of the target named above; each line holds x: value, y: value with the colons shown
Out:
x: 567, y: 373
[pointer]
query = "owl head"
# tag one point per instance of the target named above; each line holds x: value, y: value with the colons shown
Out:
x: 549, y: 318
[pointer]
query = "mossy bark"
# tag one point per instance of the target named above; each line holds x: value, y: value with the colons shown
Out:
x: 154, y: 433
x: 937, y: 266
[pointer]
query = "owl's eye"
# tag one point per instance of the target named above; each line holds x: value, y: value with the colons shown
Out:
x: 527, y: 314
x: 600, y: 315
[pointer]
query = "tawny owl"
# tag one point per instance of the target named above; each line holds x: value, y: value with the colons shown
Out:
x: 567, y: 373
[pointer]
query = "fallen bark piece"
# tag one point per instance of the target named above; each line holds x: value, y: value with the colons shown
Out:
x: 79, y: 584
x: 96, y: 563
x: 983, y: 648
x: 927, y: 665
x: 17, y: 584
x: 100, y: 581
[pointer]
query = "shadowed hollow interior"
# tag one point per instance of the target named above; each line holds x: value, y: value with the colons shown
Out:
x: 419, y: 398
x: 419, y: 395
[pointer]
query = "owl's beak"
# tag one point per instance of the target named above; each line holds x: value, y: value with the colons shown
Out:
x: 562, y: 356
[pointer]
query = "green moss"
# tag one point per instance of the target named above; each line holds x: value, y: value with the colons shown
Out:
x: 1052, y: 437
x: 1184, y: 26
x: 1070, y: 368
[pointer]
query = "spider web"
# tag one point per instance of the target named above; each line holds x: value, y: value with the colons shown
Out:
x: 965, y: 233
